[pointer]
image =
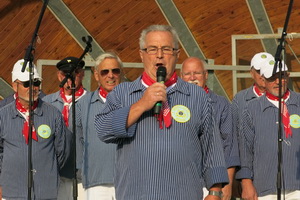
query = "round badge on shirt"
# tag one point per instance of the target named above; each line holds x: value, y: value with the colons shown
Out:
x: 44, y: 131
x: 295, y: 121
x: 180, y: 113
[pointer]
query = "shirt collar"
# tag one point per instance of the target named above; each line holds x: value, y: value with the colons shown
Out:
x: 292, y: 100
x: 38, y: 111
x: 250, y: 94
x: 181, y: 86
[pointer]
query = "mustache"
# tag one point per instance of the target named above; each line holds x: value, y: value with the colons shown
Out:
x: 196, y: 82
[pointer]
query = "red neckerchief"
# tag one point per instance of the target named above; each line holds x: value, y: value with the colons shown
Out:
x: 65, y: 111
x: 102, y: 92
x: 285, y: 113
x: 257, y: 91
x: 25, y: 112
x: 206, y: 89
x: 165, y: 114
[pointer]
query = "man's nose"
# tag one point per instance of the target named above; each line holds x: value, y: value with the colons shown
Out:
x: 159, y: 53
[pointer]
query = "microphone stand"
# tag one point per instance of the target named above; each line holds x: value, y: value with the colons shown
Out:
x: 29, y: 58
x: 70, y: 75
x: 278, y: 62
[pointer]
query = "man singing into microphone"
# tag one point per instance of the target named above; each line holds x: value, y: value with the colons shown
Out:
x: 164, y: 156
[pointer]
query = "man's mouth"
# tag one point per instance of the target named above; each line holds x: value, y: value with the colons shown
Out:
x: 111, y: 82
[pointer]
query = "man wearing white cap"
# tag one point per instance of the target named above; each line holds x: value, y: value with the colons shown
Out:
x: 12, y: 97
x: 241, y: 99
x: 50, y: 141
x: 258, y: 140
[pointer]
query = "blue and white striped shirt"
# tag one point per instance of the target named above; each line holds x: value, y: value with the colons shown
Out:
x: 223, y: 117
x: 49, y: 153
x: 98, y: 157
x: 67, y: 172
x: 168, y: 163
x: 239, y: 102
x: 258, y: 145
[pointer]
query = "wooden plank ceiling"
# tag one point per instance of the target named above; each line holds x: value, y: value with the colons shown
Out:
x: 116, y: 26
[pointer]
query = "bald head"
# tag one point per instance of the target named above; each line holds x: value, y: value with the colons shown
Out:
x: 193, y: 71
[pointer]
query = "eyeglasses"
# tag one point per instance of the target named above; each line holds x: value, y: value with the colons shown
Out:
x: 154, y: 50
x: 194, y: 73
x: 115, y: 71
x: 25, y: 84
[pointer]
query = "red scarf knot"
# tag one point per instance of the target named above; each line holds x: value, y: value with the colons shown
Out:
x: 67, y: 103
x: 165, y: 113
x: 25, y: 112
x: 284, y: 112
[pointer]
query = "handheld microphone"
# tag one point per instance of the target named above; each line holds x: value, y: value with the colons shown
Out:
x: 160, y: 76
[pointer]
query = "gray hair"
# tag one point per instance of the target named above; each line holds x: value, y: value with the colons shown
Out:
x: 204, y: 63
x: 112, y: 55
x: 159, y: 28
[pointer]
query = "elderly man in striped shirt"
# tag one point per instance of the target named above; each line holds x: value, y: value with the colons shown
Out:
x: 62, y: 100
x: 169, y: 154
x: 98, y: 166
x: 51, y: 142
x: 194, y: 71
x: 258, y: 140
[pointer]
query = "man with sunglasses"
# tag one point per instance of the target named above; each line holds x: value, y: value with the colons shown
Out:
x: 98, y: 157
x: 242, y: 98
x: 259, y: 140
x: 169, y: 154
x: 194, y: 71
x: 12, y: 97
x: 50, y: 141
x: 62, y: 99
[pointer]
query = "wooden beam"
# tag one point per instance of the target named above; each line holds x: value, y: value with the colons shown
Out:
x: 186, y: 39
x: 262, y: 24
x: 69, y: 21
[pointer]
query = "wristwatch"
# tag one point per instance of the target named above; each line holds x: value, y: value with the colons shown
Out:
x: 216, y: 193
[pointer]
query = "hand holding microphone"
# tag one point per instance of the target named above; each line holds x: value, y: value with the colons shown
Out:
x: 160, y: 77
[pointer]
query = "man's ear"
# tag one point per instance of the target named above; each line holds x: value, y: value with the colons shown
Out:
x: 15, y: 87
x: 251, y: 73
x: 59, y: 76
x: 141, y: 55
x: 178, y: 53
x: 96, y: 75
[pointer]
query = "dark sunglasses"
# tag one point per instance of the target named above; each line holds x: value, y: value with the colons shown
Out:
x: 25, y: 84
x: 273, y: 78
x: 115, y: 71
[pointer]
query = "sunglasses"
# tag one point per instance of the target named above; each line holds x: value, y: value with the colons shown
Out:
x: 25, y: 84
x: 115, y: 71
x: 273, y: 78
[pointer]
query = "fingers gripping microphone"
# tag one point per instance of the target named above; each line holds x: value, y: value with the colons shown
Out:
x: 160, y: 76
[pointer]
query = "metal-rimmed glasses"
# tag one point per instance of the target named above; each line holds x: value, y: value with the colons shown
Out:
x: 152, y: 50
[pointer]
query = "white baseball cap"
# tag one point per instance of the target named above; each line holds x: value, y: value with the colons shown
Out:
x: 267, y: 71
x: 23, y: 76
x: 260, y: 59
